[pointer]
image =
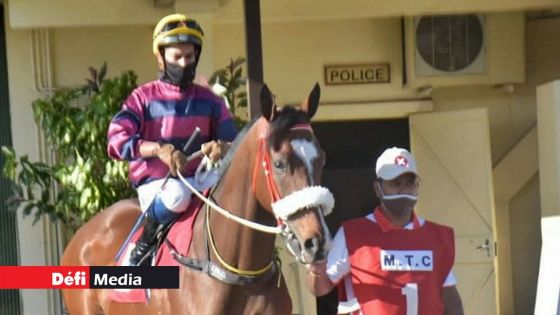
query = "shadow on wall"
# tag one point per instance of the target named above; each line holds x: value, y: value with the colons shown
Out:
x: 352, y: 149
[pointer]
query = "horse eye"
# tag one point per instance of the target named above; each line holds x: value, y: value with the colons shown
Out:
x: 280, y: 165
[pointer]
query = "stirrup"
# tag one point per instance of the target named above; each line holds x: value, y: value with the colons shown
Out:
x: 145, y: 259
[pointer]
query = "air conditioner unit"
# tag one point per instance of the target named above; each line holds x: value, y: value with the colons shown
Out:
x: 465, y: 49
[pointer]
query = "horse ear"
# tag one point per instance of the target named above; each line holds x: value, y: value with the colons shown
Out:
x: 268, y: 108
x: 312, y: 102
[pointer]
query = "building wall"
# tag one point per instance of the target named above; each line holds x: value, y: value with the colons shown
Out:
x: 525, y: 219
x: 294, y: 54
x: 512, y: 115
x: 295, y: 10
x: 22, y: 92
x: 38, y: 13
x: 73, y: 50
x: 123, y: 48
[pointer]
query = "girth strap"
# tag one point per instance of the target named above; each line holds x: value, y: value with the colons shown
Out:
x: 215, y: 271
x: 221, y: 274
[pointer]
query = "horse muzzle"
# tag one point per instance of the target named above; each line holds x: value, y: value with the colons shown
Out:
x: 302, y: 212
x: 310, y: 250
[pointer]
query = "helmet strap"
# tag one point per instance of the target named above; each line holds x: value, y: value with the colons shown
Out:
x: 161, y: 59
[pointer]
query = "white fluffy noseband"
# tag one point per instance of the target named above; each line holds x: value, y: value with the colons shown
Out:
x: 308, y: 197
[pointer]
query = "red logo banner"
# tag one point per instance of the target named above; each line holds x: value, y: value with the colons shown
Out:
x: 44, y: 277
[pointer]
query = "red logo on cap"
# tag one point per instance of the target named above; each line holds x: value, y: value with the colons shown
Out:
x: 401, y: 161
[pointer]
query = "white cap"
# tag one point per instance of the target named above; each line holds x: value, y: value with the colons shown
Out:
x: 394, y: 162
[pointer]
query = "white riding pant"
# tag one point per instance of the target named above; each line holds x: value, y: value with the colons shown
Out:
x: 175, y: 195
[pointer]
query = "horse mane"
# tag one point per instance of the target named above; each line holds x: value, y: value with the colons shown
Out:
x: 226, y: 161
x: 288, y: 117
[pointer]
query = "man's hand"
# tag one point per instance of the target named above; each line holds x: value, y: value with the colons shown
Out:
x: 452, y: 301
x: 174, y: 159
x: 215, y: 150
x: 317, y: 279
x: 317, y: 268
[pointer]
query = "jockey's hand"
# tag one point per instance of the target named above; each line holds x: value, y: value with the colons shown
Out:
x: 215, y: 150
x: 173, y: 158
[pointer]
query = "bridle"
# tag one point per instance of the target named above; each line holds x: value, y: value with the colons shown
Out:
x: 283, y: 207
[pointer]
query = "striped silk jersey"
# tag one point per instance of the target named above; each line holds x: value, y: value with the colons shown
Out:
x: 159, y: 111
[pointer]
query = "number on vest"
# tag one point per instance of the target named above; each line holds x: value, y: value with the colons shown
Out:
x: 410, y: 291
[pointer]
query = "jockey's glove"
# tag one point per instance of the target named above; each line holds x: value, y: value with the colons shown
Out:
x: 215, y: 150
x: 173, y: 158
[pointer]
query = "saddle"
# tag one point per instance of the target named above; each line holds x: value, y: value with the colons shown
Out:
x: 176, y: 238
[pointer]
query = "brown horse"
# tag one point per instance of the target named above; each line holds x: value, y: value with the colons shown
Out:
x: 274, y: 167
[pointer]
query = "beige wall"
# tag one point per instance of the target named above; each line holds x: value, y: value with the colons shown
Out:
x: 525, y: 223
x: 31, y: 238
x: 49, y: 13
x: 295, y: 10
x: 123, y: 48
x: 294, y: 55
x: 543, y: 65
x: 512, y: 115
x: 73, y: 50
x: 73, y: 13
x: 53, y: 13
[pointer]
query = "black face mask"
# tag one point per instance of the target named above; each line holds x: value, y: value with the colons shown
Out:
x: 178, y: 75
x: 399, y: 205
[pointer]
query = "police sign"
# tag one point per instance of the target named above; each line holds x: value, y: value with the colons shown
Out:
x: 357, y: 73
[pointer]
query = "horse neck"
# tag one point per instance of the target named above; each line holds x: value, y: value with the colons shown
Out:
x: 239, y: 245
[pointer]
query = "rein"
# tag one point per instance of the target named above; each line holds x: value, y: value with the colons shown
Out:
x: 264, y: 155
x: 223, y: 262
x: 229, y: 215
x: 232, y: 274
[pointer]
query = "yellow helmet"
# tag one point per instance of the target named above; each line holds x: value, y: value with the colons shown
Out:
x: 177, y: 28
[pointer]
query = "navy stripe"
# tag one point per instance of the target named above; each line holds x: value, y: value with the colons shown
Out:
x: 127, y: 115
x: 128, y: 148
x: 180, y: 142
x: 181, y: 108
x: 226, y: 130
x: 142, y: 181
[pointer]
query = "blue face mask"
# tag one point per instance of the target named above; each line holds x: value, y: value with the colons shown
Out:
x: 178, y: 75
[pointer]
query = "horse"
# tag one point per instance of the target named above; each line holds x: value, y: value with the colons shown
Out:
x: 273, y: 177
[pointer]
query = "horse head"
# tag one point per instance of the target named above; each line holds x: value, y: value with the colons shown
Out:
x: 287, y: 176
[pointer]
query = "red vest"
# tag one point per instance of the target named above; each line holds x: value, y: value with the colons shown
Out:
x: 394, y: 269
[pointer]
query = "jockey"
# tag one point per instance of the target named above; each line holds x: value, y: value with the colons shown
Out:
x: 158, y: 118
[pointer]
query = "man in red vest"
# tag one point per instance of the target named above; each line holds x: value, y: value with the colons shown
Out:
x: 391, y: 261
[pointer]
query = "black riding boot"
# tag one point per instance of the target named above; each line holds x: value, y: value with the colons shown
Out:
x: 145, y: 242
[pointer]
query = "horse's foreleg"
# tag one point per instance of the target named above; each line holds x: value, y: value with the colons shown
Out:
x: 81, y: 302
x: 127, y: 308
